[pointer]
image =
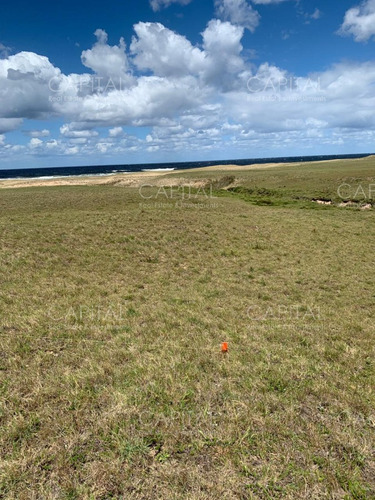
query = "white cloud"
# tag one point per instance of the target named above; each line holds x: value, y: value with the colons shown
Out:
x: 168, y: 54
x: 37, y: 133
x: 71, y: 150
x: 238, y: 12
x: 116, y: 132
x: 194, y: 98
x: 159, y: 4
x: 52, y: 144
x: 8, y: 124
x: 359, y: 21
x: 151, y: 100
x: 183, y: 78
x: 222, y: 45
x: 70, y: 131
x: 110, y: 63
x: 308, y: 16
x: 103, y: 147
x: 35, y: 143
x: 317, y: 14
x: 2, y: 139
x: 342, y: 96
x: 24, y: 79
x: 164, y: 52
x: 78, y: 140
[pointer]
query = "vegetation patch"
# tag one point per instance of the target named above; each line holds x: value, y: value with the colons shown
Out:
x: 113, y: 383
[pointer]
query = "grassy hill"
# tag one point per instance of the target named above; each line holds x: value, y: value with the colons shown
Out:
x: 114, y: 302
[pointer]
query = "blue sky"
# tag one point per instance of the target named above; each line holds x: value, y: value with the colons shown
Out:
x: 178, y: 80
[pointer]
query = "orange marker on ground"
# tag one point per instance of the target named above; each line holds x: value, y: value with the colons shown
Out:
x: 224, y: 347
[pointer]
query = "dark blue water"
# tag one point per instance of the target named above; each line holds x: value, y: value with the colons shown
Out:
x: 111, y: 169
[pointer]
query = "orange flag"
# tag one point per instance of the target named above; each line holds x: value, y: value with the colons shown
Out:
x: 224, y: 347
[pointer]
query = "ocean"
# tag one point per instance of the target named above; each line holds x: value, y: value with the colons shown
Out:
x: 51, y: 172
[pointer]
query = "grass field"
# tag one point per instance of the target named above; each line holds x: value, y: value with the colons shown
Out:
x: 114, y: 303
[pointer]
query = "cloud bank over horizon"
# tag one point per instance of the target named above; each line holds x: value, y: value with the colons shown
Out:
x: 208, y: 96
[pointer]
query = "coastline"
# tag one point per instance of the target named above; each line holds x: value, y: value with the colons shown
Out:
x: 129, y: 179
x: 124, y: 179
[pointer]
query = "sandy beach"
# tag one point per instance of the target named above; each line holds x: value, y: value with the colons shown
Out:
x: 128, y: 179
x: 138, y: 178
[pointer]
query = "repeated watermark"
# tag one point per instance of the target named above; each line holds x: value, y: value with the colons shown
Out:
x: 90, y: 314
x: 352, y: 192
x: 283, y: 89
x: 284, y: 313
x: 271, y: 89
x: 179, y: 197
x: 70, y: 90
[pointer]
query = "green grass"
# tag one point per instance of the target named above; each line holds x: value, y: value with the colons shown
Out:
x: 338, y: 181
x: 112, y: 383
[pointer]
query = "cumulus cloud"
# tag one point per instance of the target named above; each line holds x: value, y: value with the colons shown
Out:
x: 116, y: 132
x: 341, y: 97
x: 83, y: 144
x: 103, y: 147
x: 164, y: 52
x: 108, y: 62
x: 37, y: 133
x: 52, y: 144
x: 151, y: 100
x: 9, y: 124
x: 238, y: 12
x: 72, y: 131
x: 159, y: 4
x: 24, y: 79
x: 203, y: 98
x: 167, y: 54
x: 359, y: 22
x: 35, y: 143
x: 225, y: 67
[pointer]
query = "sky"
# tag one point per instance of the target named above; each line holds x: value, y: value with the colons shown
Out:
x: 153, y: 81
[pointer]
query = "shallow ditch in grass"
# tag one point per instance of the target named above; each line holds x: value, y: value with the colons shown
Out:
x: 345, y: 204
x: 274, y: 197
x: 266, y: 197
x: 228, y: 185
